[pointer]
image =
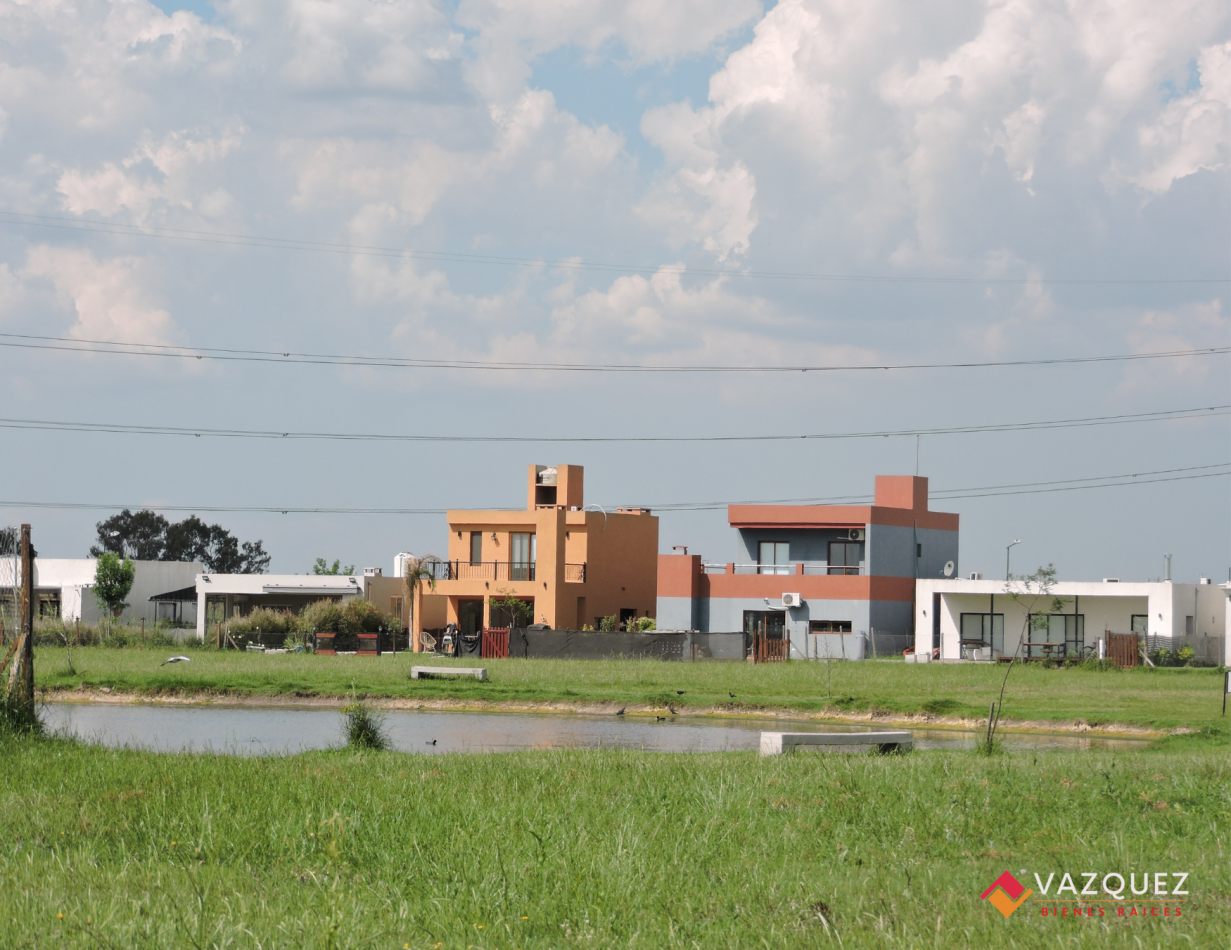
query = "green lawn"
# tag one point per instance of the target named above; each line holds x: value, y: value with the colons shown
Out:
x: 1162, y: 698
x: 595, y: 849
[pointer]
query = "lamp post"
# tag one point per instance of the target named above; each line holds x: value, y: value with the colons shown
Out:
x: 1007, y: 549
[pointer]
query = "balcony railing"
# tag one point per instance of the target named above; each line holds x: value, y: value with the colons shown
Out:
x: 781, y: 570
x: 497, y: 571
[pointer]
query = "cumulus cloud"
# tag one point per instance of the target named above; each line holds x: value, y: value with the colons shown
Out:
x: 1193, y: 132
x: 1001, y: 138
x: 108, y: 298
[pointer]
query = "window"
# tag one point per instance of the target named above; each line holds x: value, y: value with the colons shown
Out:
x: 773, y: 557
x: 1140, y: 623
x: 983, y: 630
x: 844, y: 557
x: 1066, y: 629
x: 829, y: 626
x: 522, y: 557
x: 476, y: 547
x: 395, y: 606
x: 768, y: 623
x: 1190, y: 625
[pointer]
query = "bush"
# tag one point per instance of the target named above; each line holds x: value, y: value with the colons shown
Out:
x: 264, y: 620
x: 363, y: 728
x: 609, y: 624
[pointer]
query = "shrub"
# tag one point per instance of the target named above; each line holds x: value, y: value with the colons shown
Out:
x: 324, y: 616
x: 264, y: 620
x: 609, y: 624
x: 363, y: 728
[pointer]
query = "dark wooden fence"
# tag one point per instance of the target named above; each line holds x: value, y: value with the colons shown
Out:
x: 770, y: 649
x: 1123, y: 649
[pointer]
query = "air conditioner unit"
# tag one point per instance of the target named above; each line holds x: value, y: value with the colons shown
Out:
x: 976, y: 576
x: 856, y: 534
x: 792, y: 600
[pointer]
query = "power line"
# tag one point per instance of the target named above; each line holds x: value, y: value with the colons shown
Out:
x: 1024, y: 488
x: 982, y: 491
x: 106, y: 347
x: 113, y: 428
x: 246, y: 240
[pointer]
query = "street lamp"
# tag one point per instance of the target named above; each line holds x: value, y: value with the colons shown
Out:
x: 1007, y: 549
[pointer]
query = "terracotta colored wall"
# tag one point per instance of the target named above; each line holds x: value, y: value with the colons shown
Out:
x: 902, y: 491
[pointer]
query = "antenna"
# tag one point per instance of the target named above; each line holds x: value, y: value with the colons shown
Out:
x: 949, y: 566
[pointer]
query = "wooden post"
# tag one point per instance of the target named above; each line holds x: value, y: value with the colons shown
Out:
x: 143, y: 631
x: 21, y: 682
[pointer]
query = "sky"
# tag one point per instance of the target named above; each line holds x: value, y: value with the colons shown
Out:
x: 821, y: 183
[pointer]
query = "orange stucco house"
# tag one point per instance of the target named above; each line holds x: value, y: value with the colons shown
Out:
x: 571, y: 566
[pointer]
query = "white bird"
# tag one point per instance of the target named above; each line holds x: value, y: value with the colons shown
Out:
x: 176, y: 659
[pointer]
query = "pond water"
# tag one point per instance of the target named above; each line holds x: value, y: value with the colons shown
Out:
x: 257, y: 730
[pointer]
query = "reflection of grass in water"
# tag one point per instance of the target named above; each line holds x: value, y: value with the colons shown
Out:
x: 603, y: 849
x: 1162, y: 697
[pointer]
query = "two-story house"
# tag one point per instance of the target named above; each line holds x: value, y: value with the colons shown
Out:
x: 828, y: 578
x: 569, y: 565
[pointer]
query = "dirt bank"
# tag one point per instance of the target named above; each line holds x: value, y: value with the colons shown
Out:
x: 723, y: 710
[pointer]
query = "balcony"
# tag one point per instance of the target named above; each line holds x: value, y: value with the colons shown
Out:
x: 782, y: 570
x: 497, y: 571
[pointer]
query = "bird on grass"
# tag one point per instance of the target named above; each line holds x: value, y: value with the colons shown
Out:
x: 731, y: 694
x: 671, y: 709
x: 176, y: 659
x: 679, y: 692
x: 621, y: 712
x: 432, y: 742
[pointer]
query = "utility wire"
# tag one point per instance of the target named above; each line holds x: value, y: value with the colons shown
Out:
x: 942, y: 494
x: 243, y: 240
x: 48, y: 425
x: 69, y: 344
x: 1112, y: 481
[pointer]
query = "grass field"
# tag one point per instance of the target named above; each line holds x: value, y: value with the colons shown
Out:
x: 1160, y: 698
x: 105, y: 848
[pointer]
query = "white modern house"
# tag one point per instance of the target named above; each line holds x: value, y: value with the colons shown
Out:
x: 220, y: 597
x: 64, y: 587
x: 961, y: 619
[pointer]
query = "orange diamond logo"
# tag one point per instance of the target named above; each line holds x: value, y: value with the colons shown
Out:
x: 1006, y: 894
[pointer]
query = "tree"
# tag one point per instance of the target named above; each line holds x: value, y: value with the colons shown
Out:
x: 142, y: 536
x: 520, y: 612
x: 416, y: 570
x: 113, y: 579
x: 1028, y: 592
x: 148, y: 536
x: 323, y: 567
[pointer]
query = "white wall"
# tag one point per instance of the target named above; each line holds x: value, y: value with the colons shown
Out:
x: 1105, y: 607
x: 74, y: 577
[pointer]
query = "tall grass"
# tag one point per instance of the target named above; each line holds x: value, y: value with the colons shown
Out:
x: 592, y: 849
x: 363, y: 728
x: 1150, y: 697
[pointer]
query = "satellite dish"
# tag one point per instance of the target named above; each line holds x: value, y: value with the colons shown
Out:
x: 949, y: 565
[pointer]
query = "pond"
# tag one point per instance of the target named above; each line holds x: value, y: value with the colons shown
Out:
x: 266, y: 730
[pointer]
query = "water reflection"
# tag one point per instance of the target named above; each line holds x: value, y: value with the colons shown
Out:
x: 280, y: 729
